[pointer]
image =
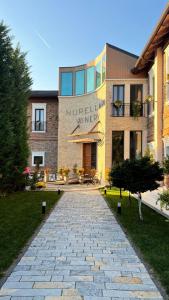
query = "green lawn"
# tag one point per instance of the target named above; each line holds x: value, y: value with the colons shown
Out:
x: 20, y: 215
x: 151, y: 236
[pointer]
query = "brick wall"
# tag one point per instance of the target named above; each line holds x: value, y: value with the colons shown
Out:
x: 47, y: 141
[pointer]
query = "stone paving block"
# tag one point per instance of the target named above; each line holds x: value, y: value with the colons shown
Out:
x: 53, y: 285
x: 80, y: 253
x: 36, y: 278
x: 64, y: 298
x: 18, y: 285
x: 30, y: 292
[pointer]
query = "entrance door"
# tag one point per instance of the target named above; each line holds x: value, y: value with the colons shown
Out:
x: 89, y: 157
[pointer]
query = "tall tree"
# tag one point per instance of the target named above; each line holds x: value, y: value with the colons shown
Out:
x: 14, y: 88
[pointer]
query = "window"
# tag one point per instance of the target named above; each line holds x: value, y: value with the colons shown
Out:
x: 103, y: 68
x: 98, y: 74
x: 38, y: 158
x: 90, y: 79
x: 135, y: 144
x: 118, y: 100
x: 80, y: 82
x: 117, y: 146
x: 136, y: 95
x: 150, y: 106
x: 93, y: 155
x: 38, y: 117
x: 66, y: 84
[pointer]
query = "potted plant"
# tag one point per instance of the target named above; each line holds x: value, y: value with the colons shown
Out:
x: 136, y: 109
x: 166, y: 171
x: 75, y: 170
x: 149, y: 98
x: 164, y: 200
x: 61, y: 170
x: 66, y: 172
x: 118, y: 103
x: 93, y: 172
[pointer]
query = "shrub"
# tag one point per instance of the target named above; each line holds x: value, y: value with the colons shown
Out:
x: 164, y: 200
x: 166, y: 165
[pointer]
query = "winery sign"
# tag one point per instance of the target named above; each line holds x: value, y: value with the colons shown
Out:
x: 85, y: 114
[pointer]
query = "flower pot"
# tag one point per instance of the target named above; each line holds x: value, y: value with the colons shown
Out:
x: 166, y: 180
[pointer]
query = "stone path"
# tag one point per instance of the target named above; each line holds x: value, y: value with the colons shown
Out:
x: 80, y: 253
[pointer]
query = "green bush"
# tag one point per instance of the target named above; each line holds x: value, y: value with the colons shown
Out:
x: 164, y: 200
x: 166, y: 165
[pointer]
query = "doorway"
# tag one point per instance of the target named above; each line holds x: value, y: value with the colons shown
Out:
x: 89, y: 157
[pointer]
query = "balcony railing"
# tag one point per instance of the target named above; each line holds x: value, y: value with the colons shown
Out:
x: 39, y: 126
x: 129, y: 110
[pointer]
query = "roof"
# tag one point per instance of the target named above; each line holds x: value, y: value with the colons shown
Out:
x: 158, y: 38
x: 44, y: 94
x: 121, y: 50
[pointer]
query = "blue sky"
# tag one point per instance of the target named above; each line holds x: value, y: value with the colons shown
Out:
x: 72, y: 32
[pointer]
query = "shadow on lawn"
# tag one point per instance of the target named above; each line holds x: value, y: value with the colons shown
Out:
x: 150, y: 236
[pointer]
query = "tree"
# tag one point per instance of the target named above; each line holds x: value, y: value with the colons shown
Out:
x: 138, y: 176
x: 15, y: 83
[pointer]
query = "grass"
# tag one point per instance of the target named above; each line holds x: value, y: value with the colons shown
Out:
x: 151, y: 236
x: 20, y: 215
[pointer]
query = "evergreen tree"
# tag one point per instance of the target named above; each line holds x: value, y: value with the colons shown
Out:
x: 14, y: 90
x: 138, y: 176
x: 21, y: 92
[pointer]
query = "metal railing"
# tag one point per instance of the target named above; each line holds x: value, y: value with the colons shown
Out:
x: 134, y: 110
x: 39, y: 126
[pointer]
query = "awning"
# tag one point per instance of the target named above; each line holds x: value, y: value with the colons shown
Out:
x: 85, y: 140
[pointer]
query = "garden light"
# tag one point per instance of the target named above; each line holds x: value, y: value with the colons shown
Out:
x: 119, y: 208
x: 43, y: 207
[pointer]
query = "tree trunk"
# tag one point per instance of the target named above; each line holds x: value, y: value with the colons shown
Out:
x: 129, y: 199
x: 140, y: 206
x: 120, y: 194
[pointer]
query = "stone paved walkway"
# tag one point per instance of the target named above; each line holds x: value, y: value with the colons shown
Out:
x: 80, y: 253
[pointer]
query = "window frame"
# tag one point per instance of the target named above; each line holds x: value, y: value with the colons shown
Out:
x: 40, y: 154
x: 40, y: 106
x: 84, y: 81
x: 113, y: 100
x: 72, y: 89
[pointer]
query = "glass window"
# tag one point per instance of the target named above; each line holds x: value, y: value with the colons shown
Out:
x: 93, y: 155
x: 136, y: 97
x: 39, y: 120
x: 135, y: 144
x: 90, y: 79
x: 38, y: 158
x: 98, y: 74
x: 80, y: 82
x: 150, y: 105
x: 66, y: 84
x: 117, y: 146
x: 118, y: 100
x: 103, y: 68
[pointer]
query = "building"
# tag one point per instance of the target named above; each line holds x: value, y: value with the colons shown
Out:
x: 107, y: 110
x: 154, y: 60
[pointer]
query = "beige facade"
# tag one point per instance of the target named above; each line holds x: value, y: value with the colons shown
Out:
x: 79, y: 114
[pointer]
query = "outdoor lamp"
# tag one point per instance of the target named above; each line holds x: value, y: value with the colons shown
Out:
x: 119, y: 208
x: 105, y: 190
x: 43, y: 207
x: 58, y: 191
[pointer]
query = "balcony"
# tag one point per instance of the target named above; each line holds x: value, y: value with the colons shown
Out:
x: 134, y: 110
x: 39, y: 126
